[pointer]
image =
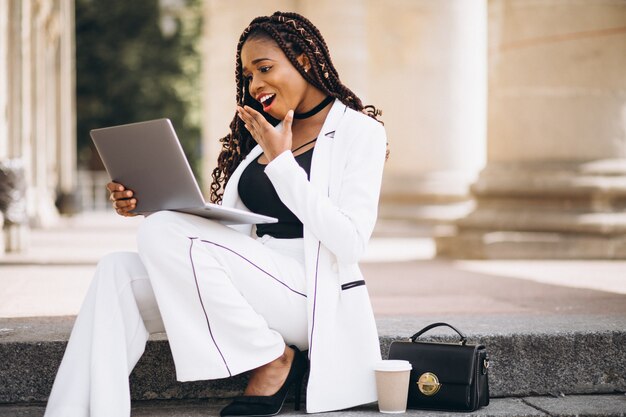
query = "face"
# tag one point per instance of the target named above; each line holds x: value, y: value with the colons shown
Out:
x: 272, y: 80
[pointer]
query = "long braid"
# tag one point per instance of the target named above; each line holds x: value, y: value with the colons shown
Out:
x: 294, y: 34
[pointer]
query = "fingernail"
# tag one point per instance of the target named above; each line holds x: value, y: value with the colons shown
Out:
x: 133, y: 201
x: 128, y: 193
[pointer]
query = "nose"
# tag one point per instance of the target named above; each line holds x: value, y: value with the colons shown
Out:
x: 255, y: 86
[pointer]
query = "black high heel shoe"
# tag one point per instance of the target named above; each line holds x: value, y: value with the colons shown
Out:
x: 270, y: 405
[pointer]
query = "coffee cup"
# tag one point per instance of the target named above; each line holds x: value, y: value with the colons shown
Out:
x: 392, y: 385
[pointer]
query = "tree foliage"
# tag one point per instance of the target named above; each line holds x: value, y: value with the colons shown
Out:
x: 138, y: 60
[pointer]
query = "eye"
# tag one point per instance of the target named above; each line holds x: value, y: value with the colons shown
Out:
x: 264, y: 69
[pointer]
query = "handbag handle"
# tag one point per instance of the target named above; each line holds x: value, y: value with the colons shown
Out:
x: 463, y: 340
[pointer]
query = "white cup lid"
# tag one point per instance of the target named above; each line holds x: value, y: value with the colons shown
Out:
x: 393, y: 365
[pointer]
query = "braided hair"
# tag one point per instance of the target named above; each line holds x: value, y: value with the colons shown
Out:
x: 294, y: 34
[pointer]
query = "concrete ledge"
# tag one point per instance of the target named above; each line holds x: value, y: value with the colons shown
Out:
x: 530, y: 355
x: 590, y: 406
x: 536, y: 355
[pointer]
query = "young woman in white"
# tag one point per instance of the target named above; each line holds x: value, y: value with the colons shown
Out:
x: 302, y: 148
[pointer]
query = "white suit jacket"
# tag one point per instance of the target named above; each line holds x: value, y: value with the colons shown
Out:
x: 338, y: 208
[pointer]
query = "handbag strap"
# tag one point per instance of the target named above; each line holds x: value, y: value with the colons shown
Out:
x: 463, y: 340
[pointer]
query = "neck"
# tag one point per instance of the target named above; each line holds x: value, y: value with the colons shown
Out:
x: 306, y: 129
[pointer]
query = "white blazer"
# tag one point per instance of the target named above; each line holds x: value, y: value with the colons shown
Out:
x: 338, y: 208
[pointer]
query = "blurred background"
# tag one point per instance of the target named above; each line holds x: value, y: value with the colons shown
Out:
x: 506, y: 119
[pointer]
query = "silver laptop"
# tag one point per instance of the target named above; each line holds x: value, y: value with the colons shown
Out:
x: 147, y: 158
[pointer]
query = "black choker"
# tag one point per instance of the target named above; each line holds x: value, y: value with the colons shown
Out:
x: 315, y: 109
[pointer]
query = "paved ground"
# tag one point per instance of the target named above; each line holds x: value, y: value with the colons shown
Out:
x: 403, y: 279
x: 583, y: 405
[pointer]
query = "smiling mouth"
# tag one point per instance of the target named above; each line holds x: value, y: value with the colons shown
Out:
x: 266, y: 101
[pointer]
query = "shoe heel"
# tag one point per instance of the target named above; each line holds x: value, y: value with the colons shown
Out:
x: 297, y: 394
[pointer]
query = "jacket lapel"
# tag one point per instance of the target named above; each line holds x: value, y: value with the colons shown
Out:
x: 316, y: 264
x: 320, y: 164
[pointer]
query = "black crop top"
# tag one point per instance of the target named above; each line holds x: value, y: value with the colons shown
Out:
x: 258, y: 194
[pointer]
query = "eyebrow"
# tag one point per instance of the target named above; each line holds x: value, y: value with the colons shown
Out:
x: 256, y: 61
x: 261, y: 59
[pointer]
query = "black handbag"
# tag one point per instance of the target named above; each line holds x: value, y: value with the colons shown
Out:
x: 445, y: 376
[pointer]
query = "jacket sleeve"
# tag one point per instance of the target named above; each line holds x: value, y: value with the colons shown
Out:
x: 343, y: 226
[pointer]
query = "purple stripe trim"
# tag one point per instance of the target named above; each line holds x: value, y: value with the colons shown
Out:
x: 317, y: 264
x: 255, y: 265
x: 193, y: 268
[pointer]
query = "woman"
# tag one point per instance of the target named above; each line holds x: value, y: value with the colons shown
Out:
x: 232, y: 300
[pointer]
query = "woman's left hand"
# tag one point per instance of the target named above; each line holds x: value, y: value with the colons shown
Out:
x: 272, y: 141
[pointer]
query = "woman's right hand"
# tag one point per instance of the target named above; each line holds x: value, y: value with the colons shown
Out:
x: 122, y: 199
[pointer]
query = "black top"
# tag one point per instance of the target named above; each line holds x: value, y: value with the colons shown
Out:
x: 259, y: 195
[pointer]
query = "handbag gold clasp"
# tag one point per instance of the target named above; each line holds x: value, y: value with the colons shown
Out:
x: 428, y: 384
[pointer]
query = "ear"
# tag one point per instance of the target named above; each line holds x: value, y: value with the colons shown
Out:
x: 304, y: 61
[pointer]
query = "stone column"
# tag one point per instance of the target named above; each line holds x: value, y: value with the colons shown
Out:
x: 67, y: 198
x: 5, y: 34
x: 15, y: 236
x: 27, y: 95
x: 427, y: 71
x: 555, y: 182
x: 14, y: 80
x: 43, y: 141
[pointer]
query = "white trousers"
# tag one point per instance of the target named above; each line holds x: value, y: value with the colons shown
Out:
x: 228, y: 303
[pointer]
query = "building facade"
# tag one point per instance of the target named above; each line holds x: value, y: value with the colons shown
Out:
x: 506, y: 119
x: 37, y: 106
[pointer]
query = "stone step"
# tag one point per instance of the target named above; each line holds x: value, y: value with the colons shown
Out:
x: 530, y: 355
x: 577, y: 405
